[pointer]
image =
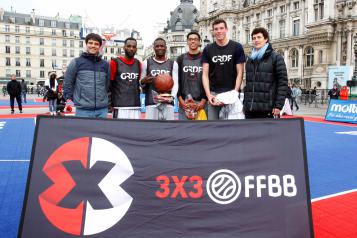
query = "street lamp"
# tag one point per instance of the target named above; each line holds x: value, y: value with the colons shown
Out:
x: 352, y: 84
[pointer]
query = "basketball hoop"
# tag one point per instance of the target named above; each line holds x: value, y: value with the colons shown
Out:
x: 109, y: 38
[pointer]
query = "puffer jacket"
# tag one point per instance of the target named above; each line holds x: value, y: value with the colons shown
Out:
x: 266, y: 83
x: 14, y: 88
x: 86, y: 82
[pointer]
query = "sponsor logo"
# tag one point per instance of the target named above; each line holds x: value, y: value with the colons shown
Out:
x: 83, y: 219
x: 192, y: 69
x: 156, y: 72
x: 129, y: 76
x: 224, y: 186
x: 351, y: 108
x: 221, y: 59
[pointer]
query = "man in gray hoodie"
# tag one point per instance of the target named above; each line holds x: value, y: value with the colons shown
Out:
x: 87, y: 79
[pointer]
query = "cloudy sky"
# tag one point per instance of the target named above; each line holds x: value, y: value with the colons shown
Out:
x: 146, y: 16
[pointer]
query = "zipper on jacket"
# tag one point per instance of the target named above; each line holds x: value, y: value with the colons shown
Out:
x: 254, y: 72
x: 95, y: 87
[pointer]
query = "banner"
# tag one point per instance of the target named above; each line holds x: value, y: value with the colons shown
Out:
x: 342, y: 111
x: 339, y: 75
x: 136, y: 179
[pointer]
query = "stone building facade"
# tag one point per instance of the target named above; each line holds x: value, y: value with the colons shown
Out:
x: 311, y: 34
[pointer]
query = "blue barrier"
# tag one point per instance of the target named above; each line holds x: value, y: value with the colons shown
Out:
x: 342, y: 111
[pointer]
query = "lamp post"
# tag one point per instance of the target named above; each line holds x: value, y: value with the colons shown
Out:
x: 352, y: 84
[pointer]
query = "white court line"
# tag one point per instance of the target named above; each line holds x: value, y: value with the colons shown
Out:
x: 15, y: 160
x: 352, y: 133
x: 333, y: 195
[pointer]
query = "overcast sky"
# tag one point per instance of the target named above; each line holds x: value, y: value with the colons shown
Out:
x: 145, y: 16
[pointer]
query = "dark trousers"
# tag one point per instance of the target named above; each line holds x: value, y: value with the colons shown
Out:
x: 252, y: 115
x: 12, y: 102
x: 292, y: 102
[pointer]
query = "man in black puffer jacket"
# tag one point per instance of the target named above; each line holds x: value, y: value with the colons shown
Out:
x: 14, y: 90
x: 266, y: 79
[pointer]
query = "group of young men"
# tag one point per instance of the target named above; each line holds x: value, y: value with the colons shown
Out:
x: 197, y: 75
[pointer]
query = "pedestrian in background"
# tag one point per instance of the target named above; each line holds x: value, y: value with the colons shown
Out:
x: 295, y: 93
x: 51, y: 86
x: 266, y: 79
x: 14, y: 90
x: 86, y: 81
x: 334, y: 93
x: 23, y: 90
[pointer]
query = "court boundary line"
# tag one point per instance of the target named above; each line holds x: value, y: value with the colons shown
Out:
x: 333, y: 195
x: 15, y: 160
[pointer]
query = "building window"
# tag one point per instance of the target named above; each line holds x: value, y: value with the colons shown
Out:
x: 41, y: 22
x: 67, y: 25
x: 64, y: 52
x: 64, y: 33
x: 17, y: 39
x: 270, y: 12
x: 54, y: 52
x: 42, y: 62
x: 17, y: 49
x: 282, y: 9
x: 257, y: 16
x: 18, y: 73
x: 8, y: 72
x: 8, y: 61
x: 54, y: 32
x: 247, y: 18
x: 71, y: 43
x: 28, y: 62
x: 53, y: 23
x: 28, y: 40
x: 42, y: 74
x: 309, y: 57
x: 28, y: 50
x: 294, y: 58
x: 320, y: 56
x: 71, y: 33
x: 17, y: 62
x: 27, y: 30
x: 178, y: 26
x: 7, y: 38
x: 270, y: 30
x: 81, y: 44
x: 42, y: 51
x: 17, y: 29
x: 296, y: 27
x: 42, y: 41
x: 296, y: 5
x: 71, y: 52
x: 64, y: 42
x: 54, y: 64
x: 112, y: 50
x: 54, y: 42
x: 7, y: 49
x: 7, y: 28
x: 282, y: 28
x: 41, y: 31
x: 319, y: 9
x: 64, y: 62
x: 247, y: 36
x: 179, y: 38
x: 28, y: 73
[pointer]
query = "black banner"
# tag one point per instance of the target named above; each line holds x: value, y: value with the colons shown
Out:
x: 125, y: 178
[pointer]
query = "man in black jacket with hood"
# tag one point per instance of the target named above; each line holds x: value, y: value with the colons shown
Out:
x: 266, y: 79
x: 14, y: 90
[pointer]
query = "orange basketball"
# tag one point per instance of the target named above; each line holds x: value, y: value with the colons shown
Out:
x: 163, y: 83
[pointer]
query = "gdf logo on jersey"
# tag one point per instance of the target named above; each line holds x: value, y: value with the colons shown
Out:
x: 129, y: 76
x: 221, y: 59
x: 84, y: 219
x: 156, y: 72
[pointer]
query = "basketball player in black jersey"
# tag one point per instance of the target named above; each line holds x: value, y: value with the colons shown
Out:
x: 223, y: 66
x: 190, y: 78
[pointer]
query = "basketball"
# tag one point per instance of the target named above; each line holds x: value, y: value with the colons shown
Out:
x: 163, y: 83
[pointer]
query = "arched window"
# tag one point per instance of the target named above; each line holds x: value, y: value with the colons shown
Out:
x: 294, y: 54
x: 178, y: 26
x: 309, y: 56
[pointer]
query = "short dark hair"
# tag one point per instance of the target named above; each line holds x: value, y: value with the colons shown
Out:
x: 128, y: 39
x: 260, y: 30
x: 95, y: 37
x: 194, y: 33
x: 158, y: 39
x: 219, y: 21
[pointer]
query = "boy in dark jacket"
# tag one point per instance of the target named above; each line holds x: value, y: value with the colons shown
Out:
x: 14, y: 90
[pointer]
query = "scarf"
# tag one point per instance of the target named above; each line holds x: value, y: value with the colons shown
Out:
x: 258, y: 54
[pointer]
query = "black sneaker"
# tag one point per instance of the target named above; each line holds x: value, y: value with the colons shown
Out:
x: 20, y: 111
x: 12, y: 111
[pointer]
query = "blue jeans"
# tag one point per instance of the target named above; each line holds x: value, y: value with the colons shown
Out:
x: 52, y: 105
x: 95, y: 113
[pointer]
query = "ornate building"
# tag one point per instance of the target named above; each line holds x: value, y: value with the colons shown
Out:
x: 311, y: 34
x: 180, y: 23
x: 32, y: 45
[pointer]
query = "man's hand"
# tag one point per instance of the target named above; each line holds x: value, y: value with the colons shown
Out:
x: 199, y: 106
x: 147, y: 79
x: 276, y: 112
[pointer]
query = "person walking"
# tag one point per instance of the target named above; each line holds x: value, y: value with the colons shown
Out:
x: 124, y: 82
x: 266, y: 79
x: 51, y: 86
x: 14, y: 90
x: 295, y: 93
x: 223, y: 66
x: 86, y: 81
x: 191, y: 95
x: 23, y: 90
